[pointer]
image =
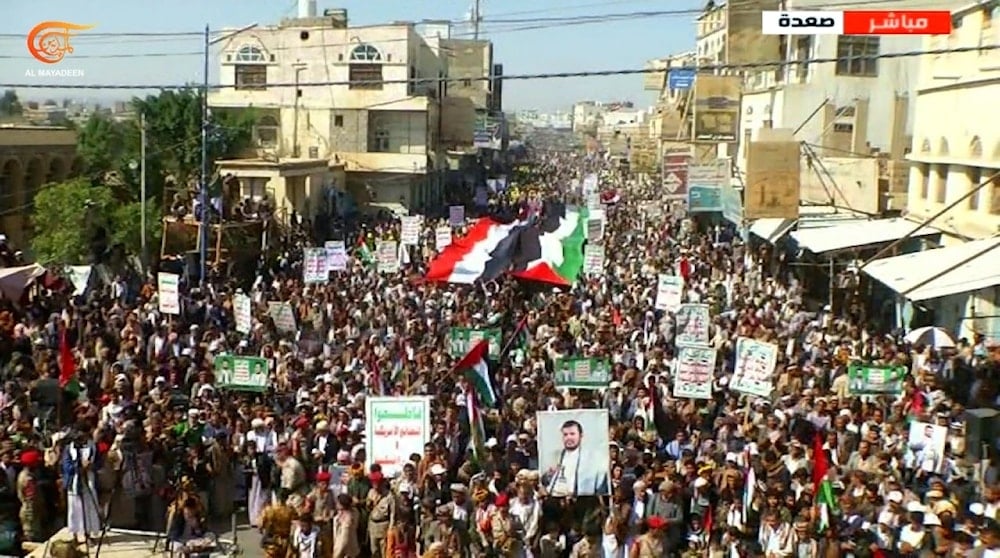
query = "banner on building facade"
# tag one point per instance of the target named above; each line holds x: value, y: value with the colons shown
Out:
x: 488, y: 132
x: 674, y: 175
x: 716, y: 108
x: 705, y: 184
x: 772, y: 180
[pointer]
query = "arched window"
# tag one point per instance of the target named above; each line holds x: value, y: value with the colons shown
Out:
x: 365, y: 53
x: 976, y: 148
x: 365, y: 70
x: 267, y: 131
x: 925, y: 146
x: 251, y: 68
x: 943, y: 147
x: 249, y: 54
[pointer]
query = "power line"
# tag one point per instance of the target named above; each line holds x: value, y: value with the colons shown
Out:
x: 770, y: 65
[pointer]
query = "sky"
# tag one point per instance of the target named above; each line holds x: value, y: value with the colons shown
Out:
x: 526, y: 41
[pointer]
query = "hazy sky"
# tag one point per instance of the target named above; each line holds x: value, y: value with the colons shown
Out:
x: 526, y: 39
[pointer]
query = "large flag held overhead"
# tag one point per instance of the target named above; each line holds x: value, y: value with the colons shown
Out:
x: 476, y: 370
x: 549, y: 250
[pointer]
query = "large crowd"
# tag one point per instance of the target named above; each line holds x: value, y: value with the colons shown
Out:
x: 146, y: 436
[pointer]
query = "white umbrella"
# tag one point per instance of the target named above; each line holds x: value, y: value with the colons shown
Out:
x: 929, y: 335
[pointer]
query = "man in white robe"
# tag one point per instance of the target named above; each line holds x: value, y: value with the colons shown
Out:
x: 79, y: 466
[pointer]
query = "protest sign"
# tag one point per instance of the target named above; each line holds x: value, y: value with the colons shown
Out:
x: 754, y: 371
x: 395, y: 429
x: 241, y: 373
x: 283, y: 316
x: 168, y: 292
x: 456, y: 215
x: 387, y: 256
x: 462, y: 339
x: 314, y: 268
x: 669, y: 290
x: 870, y: 379
x: 582, y: 373
x: 692, y: 324
x: 442, y: 237
x: 593, y: 260
x: 410, y: 230
x: 243, y: 312
x: 336, y: 255
x: 694, y: 373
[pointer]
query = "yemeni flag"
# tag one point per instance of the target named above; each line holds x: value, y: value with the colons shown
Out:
x: 822, y: 488
x: 484, y: 253
x: 552, y: 252
x: 476, y: 370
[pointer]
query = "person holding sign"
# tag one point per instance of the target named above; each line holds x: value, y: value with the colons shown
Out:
x: 575, y: 474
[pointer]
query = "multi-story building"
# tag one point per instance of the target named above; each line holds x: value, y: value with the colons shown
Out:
x: 954, y: 161
x: 854, y: 116
x: 956, y: 145
x: 30, y: 157
x: 323, y: 91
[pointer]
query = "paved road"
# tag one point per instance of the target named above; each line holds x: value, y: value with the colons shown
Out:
x: 247, y: 538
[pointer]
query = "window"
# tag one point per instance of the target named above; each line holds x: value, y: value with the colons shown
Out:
x: 250, y: 54
x: 941, y: 178
x: 338, y: 120
x: 925, y: 180
x: 747, y: 136
x: 365, y: 76
x: 843, y: 127
x: 851, y: 53
x: 988, y: 15
x: 380, y: 142
x: 365, y: 53
x: 267, y: 130
x: 975, y: 175
x: 251, y: 76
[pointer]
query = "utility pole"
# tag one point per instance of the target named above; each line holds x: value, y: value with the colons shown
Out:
x: 142, y: 186
x: 203, y: 190
x: 475, y: 20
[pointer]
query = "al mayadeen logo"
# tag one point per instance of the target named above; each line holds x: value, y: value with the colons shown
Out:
x: 49, y: 42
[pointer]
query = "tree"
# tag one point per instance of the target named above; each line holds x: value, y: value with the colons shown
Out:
x: 173, y: 143
x: 68, y: 216
x: 10, y: 105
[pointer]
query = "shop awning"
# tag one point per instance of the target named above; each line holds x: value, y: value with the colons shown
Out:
x: 964, y: 268
x: 810, y: 216
x: 771, y: 229
x: 857, y: 235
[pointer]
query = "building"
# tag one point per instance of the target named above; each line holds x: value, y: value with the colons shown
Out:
x: 956, y: 143
x: 371, y: 113
x: 854, y: 117
x: 955, y: 159
x: 586, y: 116
x: 30, y: 157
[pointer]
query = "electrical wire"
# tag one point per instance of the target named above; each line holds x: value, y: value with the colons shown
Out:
x: 770, y: 65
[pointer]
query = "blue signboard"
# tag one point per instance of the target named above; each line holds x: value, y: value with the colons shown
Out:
x: 704, y: 198
x: 680, y: 78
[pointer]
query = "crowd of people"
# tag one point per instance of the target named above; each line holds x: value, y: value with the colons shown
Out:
x: 144, y: 435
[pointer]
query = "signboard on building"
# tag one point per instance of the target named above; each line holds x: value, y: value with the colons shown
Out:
x: 674, y: 175
x: 488, y: 132
x: 772, y: 180
x: 716, y: 108
x: 652, y: 79
x: 679, y: 79
x: 705, y: 183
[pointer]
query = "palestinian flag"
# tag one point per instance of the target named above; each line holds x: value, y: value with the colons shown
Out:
x: 476, y: 370
x: 552, y: 251
x: 477, y: 428
x: 485, y: 252
x: 822, y: 488
x: 364, y: 251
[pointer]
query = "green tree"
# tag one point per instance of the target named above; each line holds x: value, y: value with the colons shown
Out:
x: 10, y: 105
x: 66, y: 215
x: 101, y: 145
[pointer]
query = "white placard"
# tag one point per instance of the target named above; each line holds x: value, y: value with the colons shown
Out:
x: 593, y: 260
x: 442, y: 237
x: 410, y: 230
x: 669, y: 292
x: 694, y: 372
x: 336, y: 255
x: 387, y: 256
x: 168, y: 292
x: 754, y: 371
x: 396, y: 428
x: 314, y: 268
x: 242, y: 310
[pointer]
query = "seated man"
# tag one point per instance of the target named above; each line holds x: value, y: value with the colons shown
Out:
x: 188, y: 532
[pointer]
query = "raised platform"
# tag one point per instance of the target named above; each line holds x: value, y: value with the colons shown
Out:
x: 120, y: 544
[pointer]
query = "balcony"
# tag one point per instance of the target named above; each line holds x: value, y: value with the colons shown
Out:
x: 402, y: 163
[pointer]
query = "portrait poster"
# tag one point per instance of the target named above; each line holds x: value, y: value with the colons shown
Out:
x: 241, y: 373
x: 396, y: 428
x: 755, y: 362
x: 869, y: 379
x: 573, y: 453
x: 925, y: 447
x: 669, y: 292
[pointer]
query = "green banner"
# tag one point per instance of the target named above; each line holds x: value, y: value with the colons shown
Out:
x: 241, y: 373
x: 582, y: 373
x: 462, y: 339
x: 870, y: 379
